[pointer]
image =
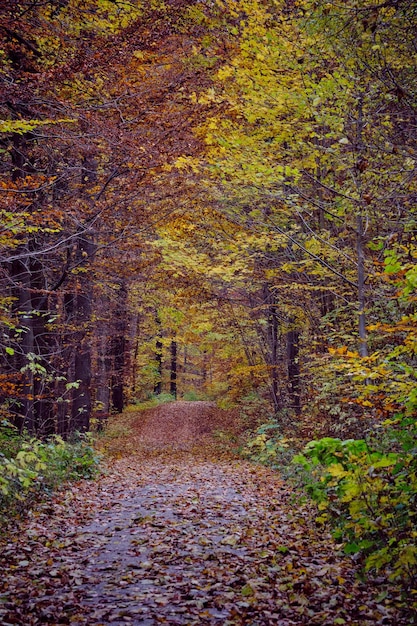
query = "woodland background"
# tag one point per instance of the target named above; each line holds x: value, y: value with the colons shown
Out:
x: 217, y: 200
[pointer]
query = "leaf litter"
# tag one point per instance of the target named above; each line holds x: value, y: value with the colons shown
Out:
x: 179, y: 534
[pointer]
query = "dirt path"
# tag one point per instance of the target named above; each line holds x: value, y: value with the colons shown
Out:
x: 169, y: 536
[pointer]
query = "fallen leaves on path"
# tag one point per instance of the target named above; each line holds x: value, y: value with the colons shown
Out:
x: 168, y: 538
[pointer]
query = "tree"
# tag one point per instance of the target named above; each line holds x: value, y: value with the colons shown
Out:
x: 75, y: 184
x: 308, y: 147
x: 95, y: 110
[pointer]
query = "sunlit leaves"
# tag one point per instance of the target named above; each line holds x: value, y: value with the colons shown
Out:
x: 25, y: 126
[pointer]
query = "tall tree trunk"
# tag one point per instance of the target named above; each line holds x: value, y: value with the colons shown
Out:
x: 81, y: 402
x: 65, y: 363
x: 293, y: 350
x: 158, y: 356
x: 103, y: 375
x: 363, y: 345
x: 117, y: 382
x: 273, y: 346
x: 135, y: 343
x: 173, y: 374
x: 119, y: 351
x: 44, y: 343
x: 20, y: 281
x: 24, y: 361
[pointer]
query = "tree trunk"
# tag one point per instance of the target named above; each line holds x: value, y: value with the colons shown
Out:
x: 24, y: 408
x: 363, y: 346
x: 20, y: 281
x: 173, y: 375
x: 81, y: 403
x: 103, y: 375
x: 135, y: 342
x: 117, y: 384
x: 273, y: 347
x: 44, y: 344
x: 293, y: 350
x: 65, y: 363
x: 119, y: 351
x: 158, y: 357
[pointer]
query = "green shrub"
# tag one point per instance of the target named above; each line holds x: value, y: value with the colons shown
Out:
x: 164, y: 397
x: 367, y: 491
x: 152, y: 400
x: 9, y: 438
x: 37, y: 467
x: 254, y: 411
x: 269, y: 447
x: 193, y: 396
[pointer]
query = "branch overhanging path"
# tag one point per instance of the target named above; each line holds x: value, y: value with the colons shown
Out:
x: 173, y: 535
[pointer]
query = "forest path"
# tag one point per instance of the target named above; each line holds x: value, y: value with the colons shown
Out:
x: 172, y: 535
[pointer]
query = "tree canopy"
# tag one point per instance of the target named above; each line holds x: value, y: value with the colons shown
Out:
x: 237, y: 177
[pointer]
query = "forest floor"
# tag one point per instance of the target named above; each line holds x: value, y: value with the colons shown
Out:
x: 179, y: 531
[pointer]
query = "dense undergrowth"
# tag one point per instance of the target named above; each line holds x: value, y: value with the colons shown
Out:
x: 354, y: 450
x: 365, y: 490
x: 31, y: 469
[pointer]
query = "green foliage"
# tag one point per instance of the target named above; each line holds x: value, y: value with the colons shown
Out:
x: 367, y: 490
x: 30, y: 467
x: 193, y: 396
x: 254, y: 410
x: 269, y: 447
x: 154, y: 399
x: 9, y: 438
x: 163, y: 398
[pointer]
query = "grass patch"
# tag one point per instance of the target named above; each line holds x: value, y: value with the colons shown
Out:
x: 151, y: 402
